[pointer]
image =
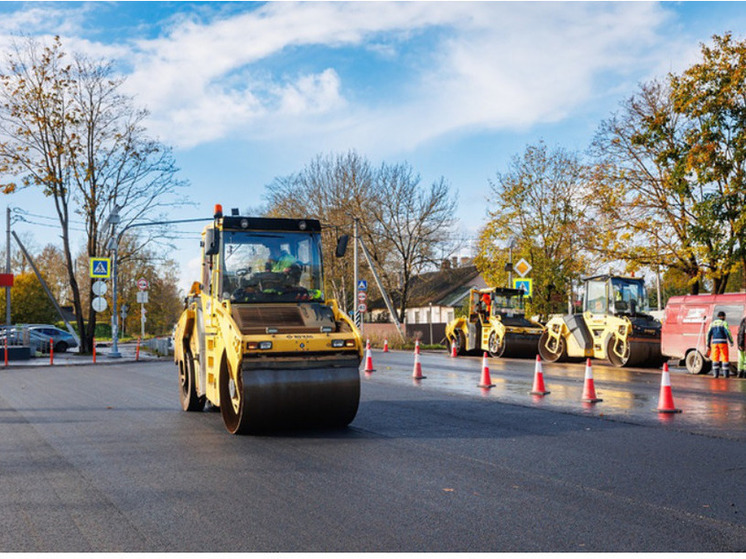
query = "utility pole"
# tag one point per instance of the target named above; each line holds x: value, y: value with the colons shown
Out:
x: 509, y: 265
x: 430, y: 319
x: 389, y: 305
x: 658, y: 285
x: 46, y: 287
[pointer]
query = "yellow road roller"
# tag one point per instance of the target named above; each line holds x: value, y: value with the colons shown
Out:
x: 614, y: 325
x: 496, y: 324
x: 258, y: 339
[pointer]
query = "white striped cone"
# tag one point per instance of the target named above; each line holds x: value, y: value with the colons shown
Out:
x: 486, y: 381
x: 417, y: 372
x: 589, y: 388
x: 385, y: 346
x: 539, y: 389
x: 368, y: 359
x: 665, y: 401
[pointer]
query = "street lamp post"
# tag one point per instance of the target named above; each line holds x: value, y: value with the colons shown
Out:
x: 7, y: 271
x: 114, y: 220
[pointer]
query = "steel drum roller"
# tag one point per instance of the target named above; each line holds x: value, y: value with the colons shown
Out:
x: 520, y: 345
x: 295, y: 394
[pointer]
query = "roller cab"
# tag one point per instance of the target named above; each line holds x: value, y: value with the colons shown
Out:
x: 614, y: 325
x: 258, y: 339
x: 496, y: 324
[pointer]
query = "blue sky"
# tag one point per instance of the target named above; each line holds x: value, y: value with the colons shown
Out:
x: 246, y: 92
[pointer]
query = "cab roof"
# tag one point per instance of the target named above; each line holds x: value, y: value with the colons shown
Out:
x: 243, y: 223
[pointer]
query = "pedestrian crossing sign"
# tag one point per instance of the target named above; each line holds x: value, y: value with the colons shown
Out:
x: 100, y: 267
x: 525, y: 285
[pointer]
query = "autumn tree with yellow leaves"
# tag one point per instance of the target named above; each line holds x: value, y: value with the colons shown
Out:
x: 670, y: 172
x: 540, y: 202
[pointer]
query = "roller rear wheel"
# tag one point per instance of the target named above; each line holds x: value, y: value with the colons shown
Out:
x: 187, y: 385
x: 232, y: 401
x: 496, y: 346
x: 551, y: 350
x: 617, y: 352
x: 460, y: 342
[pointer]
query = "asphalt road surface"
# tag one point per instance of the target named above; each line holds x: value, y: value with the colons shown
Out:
x: 101, y: 458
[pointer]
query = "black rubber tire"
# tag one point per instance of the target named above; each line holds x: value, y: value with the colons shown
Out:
x: 60, y: 347
x: 494, y: 347
x: 552, y: 356
x: 461, y: 341
x: 696, y: 364
x: 614, y: 359
x: 187, y: 385
x: 232, y: 401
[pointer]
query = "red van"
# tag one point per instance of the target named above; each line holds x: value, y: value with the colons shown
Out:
x: 686, y: 320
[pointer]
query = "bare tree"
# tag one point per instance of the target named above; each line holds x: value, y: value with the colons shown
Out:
x: 333, y: 189
x: 411, y: 224
x: 403, y: 225
x: 66, y: 130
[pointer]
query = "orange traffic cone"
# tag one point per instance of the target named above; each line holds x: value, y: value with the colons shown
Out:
x: 417, y: 372
x: 385, y: 346
x: 539, y: 389
x: 486, y: 381
x: 368, y: 359
x: 665, y: 401
x: 454, y: 351
x: 589, y: 389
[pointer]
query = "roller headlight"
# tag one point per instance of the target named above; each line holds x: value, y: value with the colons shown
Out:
x: 259, y: 345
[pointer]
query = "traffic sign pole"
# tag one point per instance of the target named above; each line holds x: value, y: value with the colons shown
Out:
x: 142, y: 320
x: 358, y: 317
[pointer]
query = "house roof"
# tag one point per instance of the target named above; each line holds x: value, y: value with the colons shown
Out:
x: 446, y: 288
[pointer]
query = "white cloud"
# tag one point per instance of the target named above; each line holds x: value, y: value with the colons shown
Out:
x: 497, y: 65
x: 183, y: 72
x: 311, y: 94
x: 487, y: 65
x: 46, y: 19
x: 531, y: 63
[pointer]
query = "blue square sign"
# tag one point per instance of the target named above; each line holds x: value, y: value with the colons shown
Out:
x: 100, y: 267
x: 525, y: 285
